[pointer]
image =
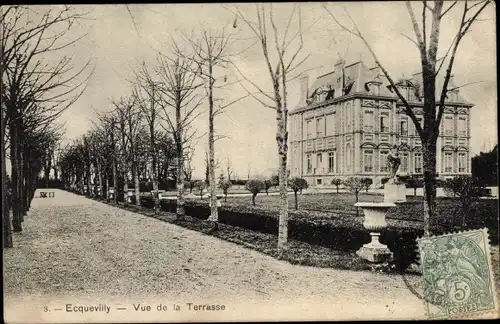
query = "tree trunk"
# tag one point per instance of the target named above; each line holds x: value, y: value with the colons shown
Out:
x: 81, y: 180
x: 96, y: 179
x: 414, y: 192
x: 125, y: 187
x: 429, y: 166
x: 88, y: 176
x: 296, y: 201
x: 101, y: 185
x: 6, y: 200
x: 180, y: 212
x: 115, y: 180
x: 14, y: 159
x: 136, y: 184
x: 28, y: 186
x: 253, y: 198
x: 20, y: 179
x: 48, y: 167
x: 154, y: 169
x: 214, y: 215
x: 105, y: 186
x: 283, y: 214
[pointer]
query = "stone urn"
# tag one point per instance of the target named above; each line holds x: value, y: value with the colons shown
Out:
x: 374, y: 213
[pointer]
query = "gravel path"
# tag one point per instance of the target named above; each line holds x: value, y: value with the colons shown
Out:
x: 75, y: 250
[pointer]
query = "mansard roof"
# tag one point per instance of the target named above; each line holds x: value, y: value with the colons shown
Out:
x: 357, y: 78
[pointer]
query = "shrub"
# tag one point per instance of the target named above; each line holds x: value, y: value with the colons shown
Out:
x: 467, y: 190
x: 239, y: 182
x: 225, y: 185
x: 275, y: 180
x: 384, y: 180
x: 354, y: 185
x: 201, y: 185
x: 297, y: 184
x: 267, y: 184
x: 367, y: 182
x: 254, y: 186
x: 414, y: 182
x: 337, y: 182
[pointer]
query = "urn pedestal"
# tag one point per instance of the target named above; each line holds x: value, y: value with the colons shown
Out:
x: 111, y: 193
x: 130, y: 194
x: 219, y: 202
x: 394, y: 192
x: 375, y: 222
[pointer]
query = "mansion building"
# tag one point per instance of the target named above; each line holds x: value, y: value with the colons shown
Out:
x: 349, y: 119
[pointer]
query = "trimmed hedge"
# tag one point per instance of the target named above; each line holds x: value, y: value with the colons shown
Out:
x: 335, y: 231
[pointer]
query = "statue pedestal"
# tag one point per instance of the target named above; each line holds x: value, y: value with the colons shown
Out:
x: 394, y: 192
x: 375, y: 222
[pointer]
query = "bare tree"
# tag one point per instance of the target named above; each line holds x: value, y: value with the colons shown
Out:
x: 147, y: 95
x: 177, y: 86
x: 282, y: 54
x: 124, y: 155
x: 108, y: 124
x: 30, y: 84
x: 211, y: 54
x: 427, y: 44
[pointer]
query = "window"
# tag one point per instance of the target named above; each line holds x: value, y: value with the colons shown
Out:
x: 448, y: 162
x: 403, y: 127
x: 309, y: 163
x: 404, y: 162
x: 320, y: 127
x: 348, y: 154
x: 308, y: 129
x: 319, y: 160
x: 383, y: 161
x: 448, y: 140
x: 330, y: 124
x: 462, y: 162
x: 462, y: 126
x: 319, y: 181
x: 384, y: 126
x: 448, y: 125
x: 418, y: 162
x: 368, y: 121
x: 415, y: 132
x: 368, y: 160
x: 331, y: 162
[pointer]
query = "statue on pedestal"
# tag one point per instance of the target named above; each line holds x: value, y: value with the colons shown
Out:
x: 393, y: 161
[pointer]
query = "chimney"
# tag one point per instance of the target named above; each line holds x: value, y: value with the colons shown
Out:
x: 304, y: 90
x: 339, y: 75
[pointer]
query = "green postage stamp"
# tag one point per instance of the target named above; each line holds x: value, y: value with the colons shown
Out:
x: 457, y: 275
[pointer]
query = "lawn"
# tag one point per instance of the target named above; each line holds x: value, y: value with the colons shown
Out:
x: 343, y: 203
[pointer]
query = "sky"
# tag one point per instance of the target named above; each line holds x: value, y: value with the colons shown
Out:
x: 117, y: 39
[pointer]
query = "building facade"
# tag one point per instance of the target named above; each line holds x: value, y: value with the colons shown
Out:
x: 349, y: 119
